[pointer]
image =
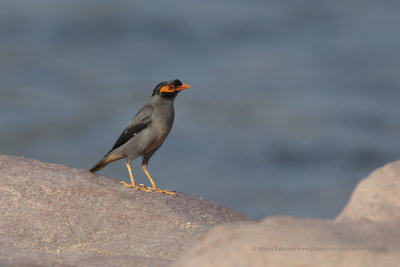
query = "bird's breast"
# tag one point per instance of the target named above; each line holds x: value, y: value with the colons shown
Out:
x: 162, y: 121
x: 161, y: 124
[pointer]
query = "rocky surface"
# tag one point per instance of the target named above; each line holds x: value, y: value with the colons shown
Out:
x: 366, y: 233
x: 52, y: 215
x: 376, y: 198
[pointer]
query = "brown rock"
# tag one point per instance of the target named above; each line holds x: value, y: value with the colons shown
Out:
x: 52, y: 215
x: 366, y: 233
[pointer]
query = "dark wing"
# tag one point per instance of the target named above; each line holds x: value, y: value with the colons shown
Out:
x: 139, y: 122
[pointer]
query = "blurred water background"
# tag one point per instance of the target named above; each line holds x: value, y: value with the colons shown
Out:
x: 292, y: 102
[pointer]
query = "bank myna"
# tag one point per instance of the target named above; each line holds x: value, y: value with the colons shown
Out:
x: 145, y: 133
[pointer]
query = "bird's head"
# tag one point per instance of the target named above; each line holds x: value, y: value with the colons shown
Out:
x: 170, y: 89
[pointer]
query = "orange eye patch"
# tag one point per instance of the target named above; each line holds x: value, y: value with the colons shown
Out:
x: 167, y: 89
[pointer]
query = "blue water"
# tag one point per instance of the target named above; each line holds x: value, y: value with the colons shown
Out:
x: 292, y: 102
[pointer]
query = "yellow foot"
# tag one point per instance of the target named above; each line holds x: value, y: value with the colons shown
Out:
x: 160, y: 191
x: 141, y: 187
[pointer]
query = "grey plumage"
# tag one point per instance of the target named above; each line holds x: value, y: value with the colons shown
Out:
x: 147, y: 130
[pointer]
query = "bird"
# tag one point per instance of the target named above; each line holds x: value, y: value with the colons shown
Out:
x: 145, y: 133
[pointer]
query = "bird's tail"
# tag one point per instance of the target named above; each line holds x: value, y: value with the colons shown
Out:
x: 99, y: 165
x: 105, y: 161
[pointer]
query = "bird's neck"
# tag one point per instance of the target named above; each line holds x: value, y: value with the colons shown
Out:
x: 162, y: 100
x: 169, y: 95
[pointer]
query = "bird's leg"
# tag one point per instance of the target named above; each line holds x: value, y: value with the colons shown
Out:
x: 133, y: 185
x: 155, y: 187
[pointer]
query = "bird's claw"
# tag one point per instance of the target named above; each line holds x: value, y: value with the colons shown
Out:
x: 161, y: 191
x: 140, y: 187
